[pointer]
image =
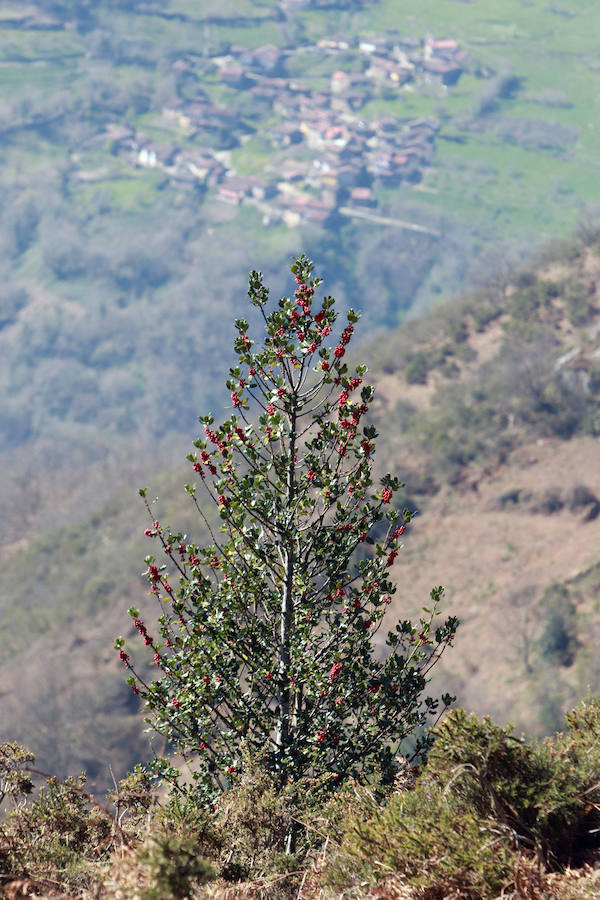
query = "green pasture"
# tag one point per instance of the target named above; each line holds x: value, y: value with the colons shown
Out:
x: 31, y: 45
x: 524, y: 166
x: 128, y: 191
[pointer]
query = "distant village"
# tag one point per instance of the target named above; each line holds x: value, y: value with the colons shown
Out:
x: 328, y: 157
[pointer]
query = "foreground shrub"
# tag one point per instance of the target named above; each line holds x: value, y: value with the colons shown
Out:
x: 488, y: 815
x: 57, y: 837
x: 173, y: 866
x: 484, y: 801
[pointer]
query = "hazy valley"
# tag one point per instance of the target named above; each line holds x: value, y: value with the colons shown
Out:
x: 151, y: 156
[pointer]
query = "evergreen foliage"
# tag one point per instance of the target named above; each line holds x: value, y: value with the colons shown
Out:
x: 271, y: 638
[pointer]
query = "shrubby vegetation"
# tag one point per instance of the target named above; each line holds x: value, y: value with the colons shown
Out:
x: 484, y: 804
x: 525, y: 390
x: 488, y: 812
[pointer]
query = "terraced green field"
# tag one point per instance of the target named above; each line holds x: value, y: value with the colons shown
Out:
x: 551, y: 50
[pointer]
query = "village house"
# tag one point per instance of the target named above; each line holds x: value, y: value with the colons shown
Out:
x: 443, y: 60
x: 261, y: 189
x: 362, y: 196
x: 317, y: 100
x: 350, y: 175
x: 402, y: 57
x: 435, y: 47
x: 327, y: 174
x: 428, y: 123
x: 337, y: 42
x: 229, y: 194
x: 284, y: 134
x: 320, y: 211
x: 269, y: 60
x: 159, y: 156
x: 313, y: 127
x: 287, y: 104
x: 401, y: 160
x: 384, y: 69
x: 290, y: 217
x: 286, y: 101
x: 387, y: 125
x: 234, y: 76
x: 183, y: 176
x: 352, y: 151
x: 236, y: 188
x: 369, y: 46
x: 311, y: 209
x: 324, y: 176
x: 114, y: 138
x: 265, y: 91
x: 202, y: 165
x: 176, y: 112
x: 445, y: 71
x: 423, y: 130
x: 293, y: 171
x: 419, y: 151
x: 359, y: 92
x: 348, y: 101
x: 339, y: 82
x: 280, y: 84
x: 188, y: 115
x: 182, y: 67
x: 119, y: 134
x: 380, y: 165
x: 336, y: 135
x: 408, y: 43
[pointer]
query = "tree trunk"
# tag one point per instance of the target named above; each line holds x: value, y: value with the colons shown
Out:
x: 286, y: 617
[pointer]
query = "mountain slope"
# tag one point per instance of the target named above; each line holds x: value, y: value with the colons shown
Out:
x: 488, y: 407
x: 492, y: 409
x: 125, y: 131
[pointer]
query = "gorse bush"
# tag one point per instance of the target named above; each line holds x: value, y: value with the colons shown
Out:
x: 487, y: 815
x: 174, y: 866
x: 268, y: 635
x: 15, y: 782
x: 57, y: 837
x: 484, y: 801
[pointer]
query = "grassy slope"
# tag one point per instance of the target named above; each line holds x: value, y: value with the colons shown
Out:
x: 65, y: 596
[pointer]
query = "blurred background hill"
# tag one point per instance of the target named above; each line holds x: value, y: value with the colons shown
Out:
x: 150, y: 154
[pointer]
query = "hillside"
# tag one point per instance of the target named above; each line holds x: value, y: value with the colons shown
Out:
x: 489, y: 408
x: 151, y: 155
